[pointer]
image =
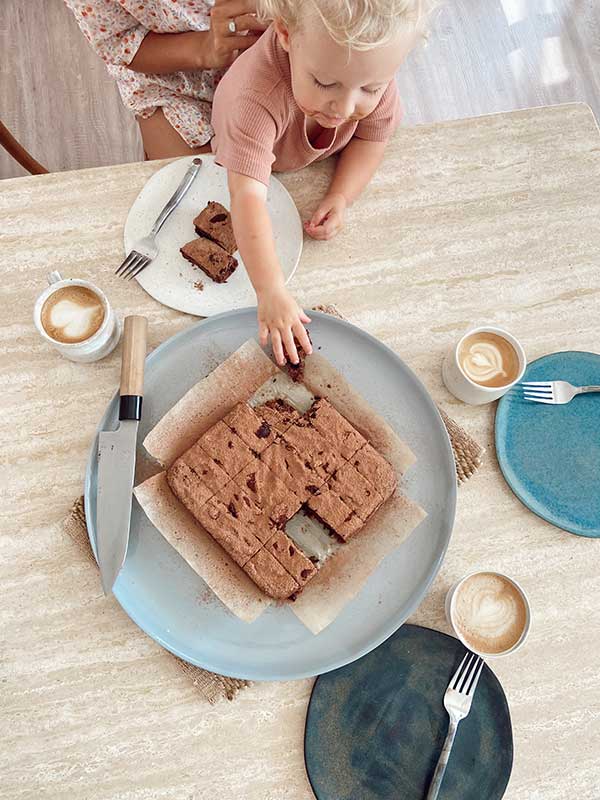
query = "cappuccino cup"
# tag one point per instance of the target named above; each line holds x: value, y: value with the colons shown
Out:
x: 489, y: 613
x: 483, y: 365
x: 76, y: 318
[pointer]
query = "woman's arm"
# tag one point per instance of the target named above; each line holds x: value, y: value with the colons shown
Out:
x: 355, y: 168
x: 279, y: 315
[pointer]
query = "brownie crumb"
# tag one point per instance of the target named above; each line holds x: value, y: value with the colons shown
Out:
x: 199, y: 286
x: 264, y: 430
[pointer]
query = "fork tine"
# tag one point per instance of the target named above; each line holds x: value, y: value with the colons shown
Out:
x: 126, y: 263
x: 475, y: 678
x: 462, y: 669
x: 143, y: 264
x: 536, y: 383
x: 134, y: 264
x: 468, y: 673
x: 534, y: 399
x: 539, y: 392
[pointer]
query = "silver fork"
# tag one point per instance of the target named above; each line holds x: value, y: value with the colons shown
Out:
x: 145, y: 250
x: 553, y: 392
x: 457, y: 702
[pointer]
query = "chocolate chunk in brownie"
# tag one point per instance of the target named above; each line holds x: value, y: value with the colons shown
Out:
x: 205, y: 468
x: 226, y: 448
x: 211, y: 258
x: 373, y: 466
x: 253, y: 430
x: 278, y: 413
x: 289, y: 555
x: 356, y: 491
x: 296, y: 371
x: 335, y: 428
x: 292, y: 469
x: 331, y: 510
x: 268, y: 492
x: 268, y: 574
x: 214, y: 222
x: 188, y: 487
x: 313, y: 447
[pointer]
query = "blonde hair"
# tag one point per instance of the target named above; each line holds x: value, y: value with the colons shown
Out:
x: 358, y: 24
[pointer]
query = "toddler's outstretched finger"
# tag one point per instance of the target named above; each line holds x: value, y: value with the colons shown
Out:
x: 304, y: 317
x: 277, y: 347
x: 263, y: 334
x: 302, y: 336
x: 290, y: 346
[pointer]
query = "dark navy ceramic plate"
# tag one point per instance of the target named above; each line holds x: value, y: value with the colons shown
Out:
x: 550, y: 455
x: 375, y: 728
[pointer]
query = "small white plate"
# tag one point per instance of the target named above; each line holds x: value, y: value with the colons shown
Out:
x: 170, y: 278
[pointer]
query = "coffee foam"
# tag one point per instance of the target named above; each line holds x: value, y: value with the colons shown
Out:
x: 490, y: 613
x: 72, y: 314
x: 488, y: 359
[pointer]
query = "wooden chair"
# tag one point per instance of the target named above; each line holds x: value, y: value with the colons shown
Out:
x: 18, y: 152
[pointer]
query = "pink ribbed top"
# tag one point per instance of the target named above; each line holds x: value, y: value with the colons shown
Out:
x: 259, y: 127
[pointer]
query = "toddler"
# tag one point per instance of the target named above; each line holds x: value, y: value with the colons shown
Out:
x: 319, y: 81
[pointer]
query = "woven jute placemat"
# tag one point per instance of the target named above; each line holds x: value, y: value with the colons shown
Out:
x: 467, y: 454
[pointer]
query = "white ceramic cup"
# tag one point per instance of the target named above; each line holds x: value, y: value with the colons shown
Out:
x: 100, y: 344
x: 463, y: 387
x: 450, y: 613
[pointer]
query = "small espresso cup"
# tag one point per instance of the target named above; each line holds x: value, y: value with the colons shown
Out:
x: 102, y: 342
x: 467, y: 390
x: 485, y: 606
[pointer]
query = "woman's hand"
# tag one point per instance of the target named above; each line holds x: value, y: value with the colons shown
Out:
x: 328, y: 219
x: 281, y: 318
x: 223, y: 46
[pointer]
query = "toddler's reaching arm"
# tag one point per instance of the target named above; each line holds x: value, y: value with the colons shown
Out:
x: 279, y: 315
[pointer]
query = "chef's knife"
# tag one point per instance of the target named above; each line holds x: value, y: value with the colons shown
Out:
x: 116, y: 457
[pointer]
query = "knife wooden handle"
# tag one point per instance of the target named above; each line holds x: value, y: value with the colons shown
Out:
x: 132, y: 366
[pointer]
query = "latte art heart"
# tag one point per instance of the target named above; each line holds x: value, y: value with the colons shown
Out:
x: 490, y: 613
x: 72, y: 314
x: 488, y: 359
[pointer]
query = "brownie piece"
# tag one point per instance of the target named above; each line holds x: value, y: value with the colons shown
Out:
x: 234, y: 535
x: 296, y: 371
x: 214, y: 222
x: 211, y: 258
x: 300, y: 567
x: 251, y: 429
x: 226, y: 448
x: 373, y: 466
x: 335, y: 428
x: 188, y: 487
x: 245, y: 511
x: 278, y: 413
x: 356, y: 491
x: 205, y: 468
x: 312, y: 446
x: 331, y: 510
x: 268, y: 574
x: 292, y: 469
x: 268, y: 492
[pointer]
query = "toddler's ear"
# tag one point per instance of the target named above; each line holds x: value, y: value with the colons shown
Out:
x: 283, y: 34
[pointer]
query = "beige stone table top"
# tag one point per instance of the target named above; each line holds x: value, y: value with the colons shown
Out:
x: 494, y: 219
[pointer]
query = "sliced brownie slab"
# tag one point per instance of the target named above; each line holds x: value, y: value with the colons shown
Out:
x: 214, y: 222
x: 210, y: 258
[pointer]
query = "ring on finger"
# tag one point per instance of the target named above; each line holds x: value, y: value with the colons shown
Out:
x: 231, y: 26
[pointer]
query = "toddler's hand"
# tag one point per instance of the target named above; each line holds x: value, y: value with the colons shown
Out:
x: 281, y: 318
x: 328, y: 219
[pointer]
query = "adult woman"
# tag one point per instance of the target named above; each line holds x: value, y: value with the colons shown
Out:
x: 167, y: 57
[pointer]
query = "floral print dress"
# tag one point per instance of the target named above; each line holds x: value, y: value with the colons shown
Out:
x: 116, y: 28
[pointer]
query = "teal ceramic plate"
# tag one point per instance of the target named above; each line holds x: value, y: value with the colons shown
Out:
x: 550, y: 455
x: 375, y: 728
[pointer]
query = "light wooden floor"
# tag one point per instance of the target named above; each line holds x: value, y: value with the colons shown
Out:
x: 484, y: 56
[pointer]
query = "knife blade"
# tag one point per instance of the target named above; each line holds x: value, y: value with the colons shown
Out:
x: 116, y: 457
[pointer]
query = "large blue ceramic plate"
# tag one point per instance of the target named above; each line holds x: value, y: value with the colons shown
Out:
x: 169, y: 601
x: 375, y: 728
x: 550, y: 455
